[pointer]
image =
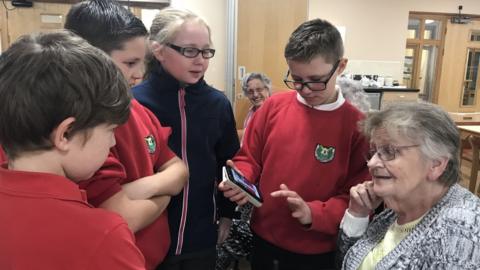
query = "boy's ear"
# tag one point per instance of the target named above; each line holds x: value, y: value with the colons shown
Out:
x: 157, y: 50
x: 342, y: 65
x: 59, y: 136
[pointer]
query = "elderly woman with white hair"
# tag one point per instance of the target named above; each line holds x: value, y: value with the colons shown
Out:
x: 430, y: 221
x: 257, y: 87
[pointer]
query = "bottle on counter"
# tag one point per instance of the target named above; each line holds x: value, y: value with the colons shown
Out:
x: 380, y: 81
x: 388, y: 81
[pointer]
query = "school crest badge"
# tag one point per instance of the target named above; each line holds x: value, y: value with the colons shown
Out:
x: 324, y: 154
x: 151, y: 144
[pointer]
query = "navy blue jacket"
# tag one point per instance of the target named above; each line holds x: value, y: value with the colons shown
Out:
x: 210, y: 139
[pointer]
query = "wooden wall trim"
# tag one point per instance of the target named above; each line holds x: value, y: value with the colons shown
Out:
x: 153, y: 4
x: 472, y: 16
x: 56, y: 1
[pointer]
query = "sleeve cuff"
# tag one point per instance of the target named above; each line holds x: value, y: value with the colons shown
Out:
x: 353, y: 226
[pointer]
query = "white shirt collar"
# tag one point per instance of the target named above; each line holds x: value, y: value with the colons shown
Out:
x: 325, y: 107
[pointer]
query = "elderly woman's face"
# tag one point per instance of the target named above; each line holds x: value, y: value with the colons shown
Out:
x: 257, y: 92
x: 398, y: 168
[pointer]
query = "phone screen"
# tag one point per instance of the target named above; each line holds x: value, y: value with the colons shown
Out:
x: 244, y: 184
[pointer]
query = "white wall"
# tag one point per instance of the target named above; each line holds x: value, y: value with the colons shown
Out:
x: 375, y: 30
x: 214, y: 12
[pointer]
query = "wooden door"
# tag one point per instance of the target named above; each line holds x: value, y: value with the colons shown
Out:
x: 42, y: 17
x: 262, y: 33
x: 3, y: 29
x: 457, y: 45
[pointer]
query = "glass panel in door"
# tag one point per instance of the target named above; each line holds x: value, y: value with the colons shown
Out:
x: 413, y: 28
x: 471, y: 80
x: 409, y: 66
x: 432, y: 29
x: 426, y: 74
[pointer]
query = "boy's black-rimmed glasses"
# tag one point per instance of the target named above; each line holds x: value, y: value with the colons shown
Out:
x: 312, y: 85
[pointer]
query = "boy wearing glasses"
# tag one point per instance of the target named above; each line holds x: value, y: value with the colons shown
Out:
x: 304, y: 150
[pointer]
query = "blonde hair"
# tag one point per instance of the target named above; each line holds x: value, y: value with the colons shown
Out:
x: 168, y: 21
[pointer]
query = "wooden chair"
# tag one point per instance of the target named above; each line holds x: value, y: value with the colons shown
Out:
x: 470, y: 151
x: 475, y: 144
x: 469, y: 146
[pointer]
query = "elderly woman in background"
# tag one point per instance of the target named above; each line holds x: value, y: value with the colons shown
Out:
x: 430, y: 221
x: 257, y: 87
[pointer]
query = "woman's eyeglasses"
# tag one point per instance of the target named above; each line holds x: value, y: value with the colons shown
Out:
x: 251, y: 92
x: 387, y: 152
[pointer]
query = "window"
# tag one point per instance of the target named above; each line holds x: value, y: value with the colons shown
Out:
x: 432, y: 29
x: 475, y: 36
x: 413, y: 28
x: 471, y: 79
x: 425, y: 39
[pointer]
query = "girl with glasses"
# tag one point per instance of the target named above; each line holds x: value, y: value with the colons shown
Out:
x: 203, y: 133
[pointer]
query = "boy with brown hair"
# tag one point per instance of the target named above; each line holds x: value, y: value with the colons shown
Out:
x: 141, y: 172
x: 61, y: 101
x: 305, y: 177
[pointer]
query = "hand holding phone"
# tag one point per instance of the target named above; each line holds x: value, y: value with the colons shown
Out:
x: 233, y: 178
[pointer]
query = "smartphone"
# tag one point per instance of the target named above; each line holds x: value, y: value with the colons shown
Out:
x: 233, y: 178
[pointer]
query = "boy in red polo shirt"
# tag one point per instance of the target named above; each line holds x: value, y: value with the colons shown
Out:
x: 61, y: 101
x: 141, y: 172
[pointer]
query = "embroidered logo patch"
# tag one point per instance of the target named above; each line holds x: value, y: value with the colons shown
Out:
x: 151, y: 143
x: 324, y: 154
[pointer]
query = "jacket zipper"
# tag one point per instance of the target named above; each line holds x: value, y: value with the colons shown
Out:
x: 183, y: 220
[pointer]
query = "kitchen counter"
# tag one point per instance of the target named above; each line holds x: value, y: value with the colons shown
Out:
x: 381, y: 96
x: 389, y: 89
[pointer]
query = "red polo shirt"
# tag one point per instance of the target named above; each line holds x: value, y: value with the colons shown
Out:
x: 3, y: 157
x: 46, y: 223
x: 140, y: 151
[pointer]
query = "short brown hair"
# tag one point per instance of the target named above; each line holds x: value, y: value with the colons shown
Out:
x: 314, y: 38
x: 46, y: 78
x: 105, y: 24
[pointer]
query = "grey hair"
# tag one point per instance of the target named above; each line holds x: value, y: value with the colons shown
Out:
x: 168, y: 21
x: 353, y: 92
x: 259, y: 76
x: 424, y: 124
